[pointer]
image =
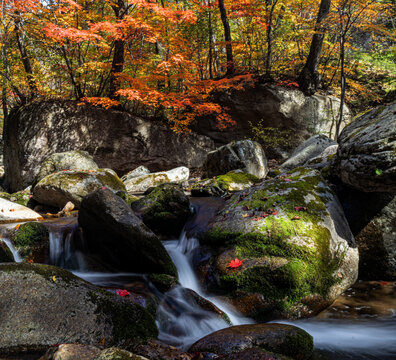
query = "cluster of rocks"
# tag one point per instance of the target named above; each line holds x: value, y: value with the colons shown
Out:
x: 298, y: 229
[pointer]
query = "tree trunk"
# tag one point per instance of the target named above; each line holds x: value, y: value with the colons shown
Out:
x: 227, y: 38
x: 309, y: 76
x: 117, y: 66
x: 269, y: 38
x: 25, y: 59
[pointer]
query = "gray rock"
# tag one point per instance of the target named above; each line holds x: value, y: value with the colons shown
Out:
x: 72, y: 352
x: 118, y: 238
x: 140, y: 184
x: 164, y: 210
x: 41, y: 128
x: 283, y: 339
x: 47, y: 305
x: 295, y: 243
x: 118, y: 354
x: 377, y: 245
x: 366, y: 157
x: 139, y: 171
x: 245, y: 155
x: 63, y: 186
x: 308, y: 150
x: 70, y: 160
x: 324, y: 160
x: 274, y: 107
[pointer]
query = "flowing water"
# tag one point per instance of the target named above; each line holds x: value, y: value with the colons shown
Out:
x: 361, y: 324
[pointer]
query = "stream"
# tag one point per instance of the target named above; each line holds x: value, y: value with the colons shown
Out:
x: 360, y: 324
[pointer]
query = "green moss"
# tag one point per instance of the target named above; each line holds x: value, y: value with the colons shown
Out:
x: 46, y: 271
x: 129, y: 321
x: 163, y: 282
x: 225, y: 181
x: 21, y: 197
x: 117, y: 354
x: 30, y: 234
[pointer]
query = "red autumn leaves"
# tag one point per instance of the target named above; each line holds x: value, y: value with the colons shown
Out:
x: 234, y: 264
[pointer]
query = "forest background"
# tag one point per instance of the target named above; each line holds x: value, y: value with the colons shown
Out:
x: 166, y: 59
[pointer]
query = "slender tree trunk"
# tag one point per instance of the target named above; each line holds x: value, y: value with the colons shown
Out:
x: 309, y: 76
x: 25, y: 59
x: 227, y: 38
x: 210, y: 55
x: 269, y: 39
x: 117, y: 66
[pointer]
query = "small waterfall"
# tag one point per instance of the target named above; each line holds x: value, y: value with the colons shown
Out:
x: 63, y: 252
x: 180, y: 320
x: 15, y: 254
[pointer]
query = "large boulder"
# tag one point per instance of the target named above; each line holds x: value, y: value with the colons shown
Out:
x: 139, y: 184
x: 115, y: 139
x: 12, y: 212
x: 119, y: 238
x: 274, y: 107
x: 366, y: 157
x: 165, y: 209
x: 377, y: 245
x: 298, y: 253
x: 245, y: 155
x: 139, y: 171
x: 72, y: 185
x: 308, y: 150
x: 46, y: 305
x: 69, y: 160
x: 278, y: 338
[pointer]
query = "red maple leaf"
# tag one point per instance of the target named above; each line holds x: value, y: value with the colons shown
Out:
x: 123, y: 293
x: 235, y: 263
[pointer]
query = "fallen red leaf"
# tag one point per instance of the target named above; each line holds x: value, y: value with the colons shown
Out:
x: 384, y: 283
x: 288, y: 180
x: 235, y: 263
x: 296, y: 217
x: 300, y: 208
x: 123, y: 293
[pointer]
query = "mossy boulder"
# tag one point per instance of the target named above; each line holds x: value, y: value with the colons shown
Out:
x: 47, y: 305
x: 69, y: 185
x: 295, y: 244
x: 21, y: 197
x: 118, y: 238
x: 5, y: 253
x: 366, y: 156
x: 140, y: 184
x: 278, y: 338
x: 76, y: 160
x: 31, y: 240
x: 233, y: 181
x: 165, y: 209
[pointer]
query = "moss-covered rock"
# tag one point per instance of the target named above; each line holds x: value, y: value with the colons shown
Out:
x: 294, y: 242
x: 278, y: 338
x: 5, y: 253
x: 233, y: 181
x: 140, y: 184
x: 21, y: 197
x: 32, y: 241
x: 47, y: 305
x: 76, y: 160
x: 69, y: 185
x: 165, y: 209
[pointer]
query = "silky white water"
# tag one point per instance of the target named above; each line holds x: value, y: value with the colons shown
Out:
x: 15, y: 254
x: 180, y: 320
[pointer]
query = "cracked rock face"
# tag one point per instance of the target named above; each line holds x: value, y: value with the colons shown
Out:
x: 366, y: 157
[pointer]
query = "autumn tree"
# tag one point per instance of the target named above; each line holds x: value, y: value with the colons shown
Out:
x: 309, y: 76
